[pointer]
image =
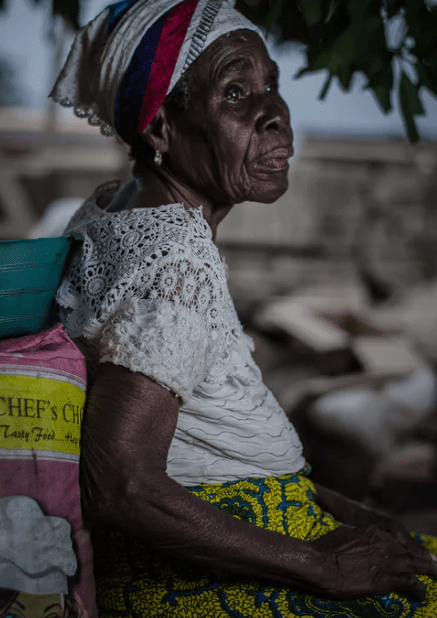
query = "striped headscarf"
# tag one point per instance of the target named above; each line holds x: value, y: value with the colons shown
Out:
x: 123, y: 64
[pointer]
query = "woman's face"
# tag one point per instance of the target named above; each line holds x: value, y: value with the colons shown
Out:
x: 233, y: 142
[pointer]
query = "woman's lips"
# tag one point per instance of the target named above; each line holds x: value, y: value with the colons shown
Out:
x: 274, y: 165
x: 275, y: 161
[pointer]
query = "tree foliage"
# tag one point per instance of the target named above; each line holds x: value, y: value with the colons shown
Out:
x: 393, y: 43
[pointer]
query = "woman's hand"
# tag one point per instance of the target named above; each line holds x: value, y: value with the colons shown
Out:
x: 395, y: 528
x: 367, y: 561
x: 358, y: 514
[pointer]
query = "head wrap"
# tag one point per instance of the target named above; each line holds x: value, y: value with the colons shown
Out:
x: 123, y: 63
x: 36, y: 553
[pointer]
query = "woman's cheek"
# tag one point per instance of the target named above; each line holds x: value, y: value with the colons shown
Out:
x: 230, y: 145
x: 240, y: 183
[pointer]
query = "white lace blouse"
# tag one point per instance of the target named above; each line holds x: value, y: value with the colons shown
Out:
x: 150, y: 288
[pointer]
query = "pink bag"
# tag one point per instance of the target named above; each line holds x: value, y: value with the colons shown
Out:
x: 42, y: 399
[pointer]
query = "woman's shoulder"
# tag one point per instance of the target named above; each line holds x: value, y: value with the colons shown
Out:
x: 108, y: 210
x: 159, y: 253
x: 124, y: 242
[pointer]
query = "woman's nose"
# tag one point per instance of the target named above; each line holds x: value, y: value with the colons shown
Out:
x: 272, y: 115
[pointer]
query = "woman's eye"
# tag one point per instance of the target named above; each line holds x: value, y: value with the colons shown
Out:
x: 234, y: 94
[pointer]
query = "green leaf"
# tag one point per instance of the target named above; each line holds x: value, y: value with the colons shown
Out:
x: 411, y: 105
x: 382, y: 94
x: 331, y: 10
x: 340, y: 54
x: 376, y: 41
x: 410, y: 125
x: 358, y: 8
x: 375, y: 66
x: 337, y: 55
x: 393, y: 7
x: 427, y: 77
x: 325, y: 88
x: 302, y: 72
x: 273, y: 15
x: 422, y: 26
x: 312, y: 11
x: 319, y: 58
x: 383, y: 77
x: 408, y: 93
x: 381, y: 82
x: 345, y: 74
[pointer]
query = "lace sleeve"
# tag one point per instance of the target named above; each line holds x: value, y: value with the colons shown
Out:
x: 171, y: 334
x: 148, y: 287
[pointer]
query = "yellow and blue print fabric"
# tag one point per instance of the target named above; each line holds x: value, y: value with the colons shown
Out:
x: 133, y: 581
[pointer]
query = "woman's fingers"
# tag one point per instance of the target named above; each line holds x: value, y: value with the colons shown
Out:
x: 404, y: 537
x: 367, y: 561
x: 407, y: 563
x: 422, y: 565
x: 421, y: 553
x: 410, y: 585
x: 396, y: 555
x: 424, y: 562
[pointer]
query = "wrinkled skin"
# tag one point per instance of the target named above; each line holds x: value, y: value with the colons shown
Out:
x: 234, y: 141
x: 232, y: 144
x: 385, y: 553
x: 367, y: 560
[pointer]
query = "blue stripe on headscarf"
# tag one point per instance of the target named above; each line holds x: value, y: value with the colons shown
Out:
x: 133, y: 85
x: 117, y: 11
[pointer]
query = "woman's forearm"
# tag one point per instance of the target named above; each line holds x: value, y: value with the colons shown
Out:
x: 126, y: 436
x: 174, y: 521
x: 344, y: 509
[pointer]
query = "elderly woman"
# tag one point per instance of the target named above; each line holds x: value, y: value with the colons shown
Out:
x: 193, y: 478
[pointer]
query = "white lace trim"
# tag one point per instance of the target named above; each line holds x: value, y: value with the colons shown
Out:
x: 150, y: 285
x: 86, y: 112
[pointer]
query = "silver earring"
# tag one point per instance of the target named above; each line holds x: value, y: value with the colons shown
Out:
x: 157, y: 159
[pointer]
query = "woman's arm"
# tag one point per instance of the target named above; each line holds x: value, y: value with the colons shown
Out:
x: 346, y: 510
x: 127, y: 433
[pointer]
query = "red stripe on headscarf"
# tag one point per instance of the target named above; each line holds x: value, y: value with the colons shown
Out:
x: 169, y: 46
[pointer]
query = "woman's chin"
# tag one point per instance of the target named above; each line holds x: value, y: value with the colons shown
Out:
x: 269, y: 192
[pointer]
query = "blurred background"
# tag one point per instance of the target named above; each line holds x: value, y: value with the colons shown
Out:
x: 336, y: 282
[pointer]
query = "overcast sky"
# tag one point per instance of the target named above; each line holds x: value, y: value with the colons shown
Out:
x: 24, y: 41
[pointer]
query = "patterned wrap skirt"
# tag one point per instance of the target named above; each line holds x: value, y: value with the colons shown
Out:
x: 133, y: 581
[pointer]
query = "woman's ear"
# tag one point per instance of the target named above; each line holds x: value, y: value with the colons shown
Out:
x: 157, y: 134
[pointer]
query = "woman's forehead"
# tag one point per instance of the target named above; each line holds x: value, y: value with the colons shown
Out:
x: 240, y: 64
x: 235, y: 52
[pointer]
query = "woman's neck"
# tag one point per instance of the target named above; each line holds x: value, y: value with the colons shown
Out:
x: 157, y: 187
